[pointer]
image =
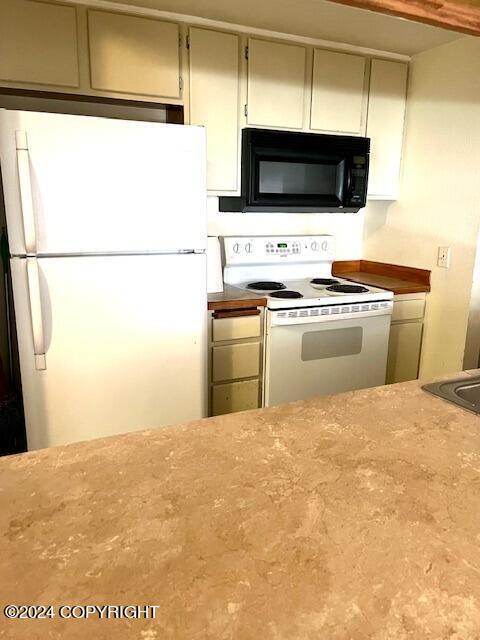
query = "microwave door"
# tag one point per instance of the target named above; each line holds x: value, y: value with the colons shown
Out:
x: 300, y: 181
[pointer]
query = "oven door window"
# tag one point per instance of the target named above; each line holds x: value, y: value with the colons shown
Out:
x: 304, y: 181
x: 333, y: 343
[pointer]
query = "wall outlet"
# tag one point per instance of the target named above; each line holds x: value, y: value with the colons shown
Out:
x: 443, y: 259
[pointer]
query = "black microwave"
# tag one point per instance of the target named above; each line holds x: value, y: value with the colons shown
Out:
x: 301, y: 172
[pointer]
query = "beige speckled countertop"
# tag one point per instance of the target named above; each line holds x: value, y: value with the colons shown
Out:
x: 347, y: 517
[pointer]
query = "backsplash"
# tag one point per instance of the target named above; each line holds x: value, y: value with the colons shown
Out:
x: 347, y: 228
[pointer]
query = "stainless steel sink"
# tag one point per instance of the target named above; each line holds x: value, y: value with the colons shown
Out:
x: 464, y: 392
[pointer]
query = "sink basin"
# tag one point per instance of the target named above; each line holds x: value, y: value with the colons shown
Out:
x: 464, y: 392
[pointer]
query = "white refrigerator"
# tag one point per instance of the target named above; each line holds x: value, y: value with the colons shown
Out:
x: 107, y: 229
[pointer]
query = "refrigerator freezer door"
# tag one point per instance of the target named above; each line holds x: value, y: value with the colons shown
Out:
x: 99, y: 185
x: 125, y: 347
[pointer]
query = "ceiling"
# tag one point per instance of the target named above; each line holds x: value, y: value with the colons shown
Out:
x: 315, y: 19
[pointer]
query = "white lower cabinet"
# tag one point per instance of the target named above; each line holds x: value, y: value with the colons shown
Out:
x: 405, y: 343
x: 236, y: 347
x: 404, y: 351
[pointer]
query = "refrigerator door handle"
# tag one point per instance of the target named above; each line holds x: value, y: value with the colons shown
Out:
x: 36, y: 314
x: 25, y: 183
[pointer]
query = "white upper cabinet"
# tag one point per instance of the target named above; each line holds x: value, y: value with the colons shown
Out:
x: 386, y: 113
x: 337, y: 92
x: 38, y: 43
x: 214, y: 69
x: 275, y: 84
x: 134, y: 55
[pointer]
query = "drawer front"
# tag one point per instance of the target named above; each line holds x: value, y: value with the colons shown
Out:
x: 236, y: 328
x: 236, y: 361
x: 235, y: 396
x: 408, y: 310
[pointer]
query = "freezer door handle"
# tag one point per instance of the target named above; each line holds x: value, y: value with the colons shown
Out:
x: 25, y: 183
x: 36, y: 313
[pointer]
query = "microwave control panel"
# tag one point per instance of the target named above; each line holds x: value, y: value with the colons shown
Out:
x: 270, y: 249
x: 359, y: 180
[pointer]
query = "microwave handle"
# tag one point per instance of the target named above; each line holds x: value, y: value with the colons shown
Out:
x: 349, y: 180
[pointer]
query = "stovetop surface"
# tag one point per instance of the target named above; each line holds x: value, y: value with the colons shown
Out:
x: 316, y: 295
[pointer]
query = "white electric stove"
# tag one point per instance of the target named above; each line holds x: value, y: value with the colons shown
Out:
x: 323, y: 334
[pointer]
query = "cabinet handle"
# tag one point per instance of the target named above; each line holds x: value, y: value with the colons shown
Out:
x: 235, y: 313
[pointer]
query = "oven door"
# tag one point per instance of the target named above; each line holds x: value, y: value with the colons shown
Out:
x: 311, y: 358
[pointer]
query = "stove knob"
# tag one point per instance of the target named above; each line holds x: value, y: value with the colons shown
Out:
x: 248, y: 247
x: 324, y: 245
x: 236, y: 248
x: 314, y: 246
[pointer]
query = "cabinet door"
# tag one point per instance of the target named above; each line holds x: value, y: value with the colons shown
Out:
x: 337, y: 92
x: 276, y: 84
x: 214, y: 102
x: 136, y: 55
x: 404, y: 351
x: 386, y: 113
x: 38, y: 43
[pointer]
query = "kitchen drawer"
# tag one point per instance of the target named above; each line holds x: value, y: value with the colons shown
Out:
x: 235, y: 361
x: 235, y: 396
x: 236, y: 328
x: 408, y: 310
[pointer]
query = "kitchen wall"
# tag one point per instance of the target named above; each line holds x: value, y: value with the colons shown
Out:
x: 439, y: 203
x: 347, y: 228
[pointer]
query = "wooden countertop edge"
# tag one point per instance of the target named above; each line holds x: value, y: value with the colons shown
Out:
x: 232, y: 298
x: 221, y: 305
x: 396, y: 290
x: 400, y: 272
x: 407, y: 279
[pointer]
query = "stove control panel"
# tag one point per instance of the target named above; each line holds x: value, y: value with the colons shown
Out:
x: 283, y: 248
x: 273, y: 249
